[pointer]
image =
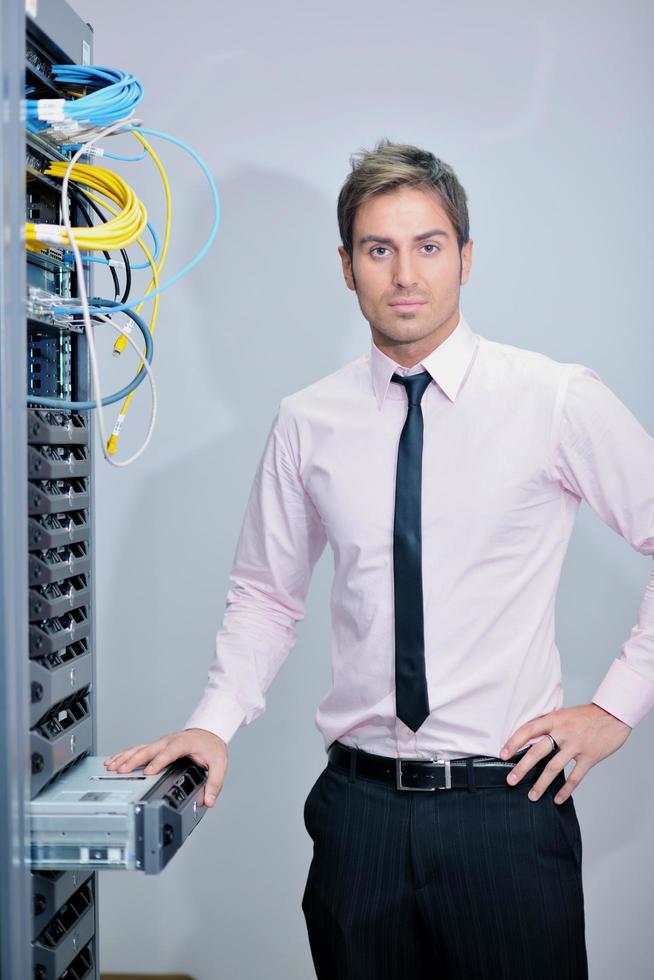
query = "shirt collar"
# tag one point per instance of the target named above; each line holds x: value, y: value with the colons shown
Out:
x: 447, y: 364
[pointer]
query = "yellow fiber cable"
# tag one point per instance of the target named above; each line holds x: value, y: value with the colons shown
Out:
x: 121, y: 343
x: 117, y: 233
x: 112, y: 443
x: 139, y: 241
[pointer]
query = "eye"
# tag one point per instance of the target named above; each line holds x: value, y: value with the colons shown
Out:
x: 377, y: 247
x: 431, y: 245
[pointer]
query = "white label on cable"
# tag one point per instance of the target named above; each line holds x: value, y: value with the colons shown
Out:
x: 48, y: 233
x: 66, y: 127
x: 30, y: 7
x: 51, y: 110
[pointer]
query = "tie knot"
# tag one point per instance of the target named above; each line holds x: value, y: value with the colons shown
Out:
x: 415, y: 384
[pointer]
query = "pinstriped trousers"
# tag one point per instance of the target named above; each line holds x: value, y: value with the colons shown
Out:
x: 447, y: 885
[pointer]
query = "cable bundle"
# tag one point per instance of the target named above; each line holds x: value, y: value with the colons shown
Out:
x: 117, y: 93
x: 118, y: 232
x: 114, y: 96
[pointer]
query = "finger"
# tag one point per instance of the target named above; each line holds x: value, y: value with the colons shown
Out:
x: 125, y: 760
x: 140, y: 756
x: 573, y: 780
x: 537, y: 752
x: 121, y: 756
x: 531, y: 729
x: 550, y: 772
x: 556, y: 765
x: 163, y: 758
x: 212, y: 787
x: 174, y: 747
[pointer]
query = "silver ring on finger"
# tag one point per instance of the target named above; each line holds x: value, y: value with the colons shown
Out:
x: 553, y: 741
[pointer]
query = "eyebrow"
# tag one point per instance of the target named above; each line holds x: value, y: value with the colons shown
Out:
x: 417, y: 238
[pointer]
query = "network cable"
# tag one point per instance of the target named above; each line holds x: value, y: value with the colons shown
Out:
x: 124, y: 229
x: 89, y: 151
x: 100, y: 179
x: 95, y: 373
x: 116, y: 233
x: 115, y: 95
x: 212, y: 233
x: 80, y: 197
x: 113, y: 440
x: 81, y: 200
x: 116, y: 262
x: 149, y: 263
x: 116, y: 396
x: 119, y: 345
x: 112, y: 444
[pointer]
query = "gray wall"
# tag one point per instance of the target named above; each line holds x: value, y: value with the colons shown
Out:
x: 546, y: 118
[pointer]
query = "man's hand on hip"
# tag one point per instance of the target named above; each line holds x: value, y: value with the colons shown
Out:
x: 202, y: 746
x: 585, y: 733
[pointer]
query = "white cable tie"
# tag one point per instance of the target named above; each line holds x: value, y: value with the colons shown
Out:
x: 50, y: 110
x: 53, y: 234
x: 64, y: 129
x: 92, y: 152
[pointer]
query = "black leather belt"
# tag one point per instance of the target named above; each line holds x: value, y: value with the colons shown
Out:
x: 425, y: 774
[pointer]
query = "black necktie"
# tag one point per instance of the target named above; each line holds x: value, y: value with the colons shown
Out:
x: 411, y: 699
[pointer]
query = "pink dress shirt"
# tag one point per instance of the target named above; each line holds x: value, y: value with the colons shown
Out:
x: 513, y: 441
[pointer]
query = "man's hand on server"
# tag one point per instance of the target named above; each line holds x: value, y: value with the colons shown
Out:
x: 205, y: 748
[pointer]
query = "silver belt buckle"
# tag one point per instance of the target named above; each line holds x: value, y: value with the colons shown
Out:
x: 422, y: 789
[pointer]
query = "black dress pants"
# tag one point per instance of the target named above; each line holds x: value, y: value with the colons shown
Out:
x: 446, y: 885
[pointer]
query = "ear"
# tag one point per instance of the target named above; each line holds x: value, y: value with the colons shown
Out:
x: 347, y: 268
x: 466, y: 260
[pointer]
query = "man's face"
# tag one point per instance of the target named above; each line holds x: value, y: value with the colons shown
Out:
x: 404, y: 247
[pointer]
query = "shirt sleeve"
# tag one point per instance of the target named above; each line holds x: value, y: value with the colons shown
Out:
x: 603, y: 455
x: 281, y: 539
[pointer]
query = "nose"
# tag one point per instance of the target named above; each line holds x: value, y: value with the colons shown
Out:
x: 404, y: 274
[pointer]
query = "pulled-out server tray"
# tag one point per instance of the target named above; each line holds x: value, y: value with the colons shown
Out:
x: 90, y: 817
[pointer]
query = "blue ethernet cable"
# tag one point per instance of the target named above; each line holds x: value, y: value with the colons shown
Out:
x: 146, y: 265
x: 113, y: 156
x: 115, y: 94
x: 118, y: 395
x: 70, y: 260
x: 119, y: 156
x: 203, y: 251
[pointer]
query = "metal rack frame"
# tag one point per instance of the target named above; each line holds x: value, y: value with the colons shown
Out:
x: 15, y: 886
x: 53, y: 23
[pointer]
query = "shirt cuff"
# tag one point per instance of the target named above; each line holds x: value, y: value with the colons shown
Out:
x: 217, y: 713
x: 625, y: 693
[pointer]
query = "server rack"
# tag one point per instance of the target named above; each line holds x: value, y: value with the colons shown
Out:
x: 50, y: 847
x: 60, y: 536
x: 15, y: 883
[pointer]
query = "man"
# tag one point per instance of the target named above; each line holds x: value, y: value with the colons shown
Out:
x: 445, y: 470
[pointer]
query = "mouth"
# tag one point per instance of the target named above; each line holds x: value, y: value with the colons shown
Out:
x: 404, y: 306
